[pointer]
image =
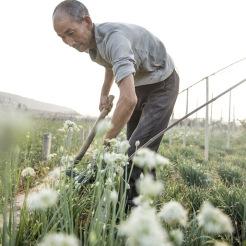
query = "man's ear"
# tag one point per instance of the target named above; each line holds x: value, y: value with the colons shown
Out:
x: 87, y: 20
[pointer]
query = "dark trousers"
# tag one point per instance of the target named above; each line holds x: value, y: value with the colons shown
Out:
x: 151, y: 115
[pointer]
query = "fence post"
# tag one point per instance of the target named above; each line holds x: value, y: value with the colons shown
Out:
x: 46, y: 146
x: 82, y: 133
x: 206, y: 149
x: 229, y: 122
x: 234, y: 119
x: 211, y: 117
x: 186, y: 112
x: 170, y: 133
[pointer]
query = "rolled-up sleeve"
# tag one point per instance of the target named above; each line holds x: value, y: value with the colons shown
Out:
x: 120, y: 55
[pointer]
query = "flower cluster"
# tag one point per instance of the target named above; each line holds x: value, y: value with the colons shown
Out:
x: 174, y: 213
x: 147, y: 158
x: 121, y: 146
x: 147, y: 187
x: 42, y: 200
x: 51, y: 156
x: 114, y: 159
x: 28, y: 172
x: 69, y: 126
x: 102, y: 127
x: 144, y: 228
x: 59, y: 239
x: 213, y: 220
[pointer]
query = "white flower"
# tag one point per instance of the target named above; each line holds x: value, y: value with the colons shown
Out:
x: 28, y: 172
x: 50, y: 156
x: 114, y: 159
x: 119, y: 170
x: 143, y: 228
x: 213, y: 220
x: 102, y: 127
x: 114, y: 196
x: 59, y: 239
x: 61, y: 130
x: 137, y: 143
x: 55, y: 174
x: 146, y: 186
x: 173, y: 213
x: 42, y: 200
x: 161, y: 160
x: 141, y: 200
x: 177, y: 236
x: 70, y: 125
x: 123, y: 146
x: 147, y: 158
x: 109, y: 182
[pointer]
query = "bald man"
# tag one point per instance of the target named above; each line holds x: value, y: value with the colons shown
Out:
x: 138, y: 63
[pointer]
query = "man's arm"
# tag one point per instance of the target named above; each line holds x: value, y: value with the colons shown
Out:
x: 125, y: 106
x: 108, y: 81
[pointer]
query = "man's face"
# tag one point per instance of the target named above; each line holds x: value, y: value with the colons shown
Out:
x: 76, y: 34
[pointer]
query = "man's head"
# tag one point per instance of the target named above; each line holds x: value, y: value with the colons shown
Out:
x: 73, y: 24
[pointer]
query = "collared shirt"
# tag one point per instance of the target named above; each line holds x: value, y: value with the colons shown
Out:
x: 131, y: 49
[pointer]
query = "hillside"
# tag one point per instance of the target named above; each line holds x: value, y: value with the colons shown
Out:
x: 15, y: 102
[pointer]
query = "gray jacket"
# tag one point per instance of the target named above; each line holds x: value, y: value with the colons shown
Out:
x: 131, y: 49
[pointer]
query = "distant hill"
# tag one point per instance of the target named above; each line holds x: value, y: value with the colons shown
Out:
x: 14, y: 102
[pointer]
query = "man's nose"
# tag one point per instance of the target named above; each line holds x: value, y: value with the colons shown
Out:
x: 69, y: 41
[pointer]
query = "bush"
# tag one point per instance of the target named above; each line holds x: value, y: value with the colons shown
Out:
x: 229, y: 175
x: 194, y: 176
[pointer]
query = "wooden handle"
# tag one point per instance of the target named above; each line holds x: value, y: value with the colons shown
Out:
x: 92, y: 133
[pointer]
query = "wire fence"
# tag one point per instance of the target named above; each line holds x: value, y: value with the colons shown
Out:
x: 227, y: 110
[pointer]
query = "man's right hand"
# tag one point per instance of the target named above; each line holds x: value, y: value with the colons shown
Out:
x: 104, y: 103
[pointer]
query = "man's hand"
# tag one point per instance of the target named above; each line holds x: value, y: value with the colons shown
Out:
x: 105, y: 103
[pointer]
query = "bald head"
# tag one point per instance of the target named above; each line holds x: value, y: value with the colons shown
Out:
x: 73, y: 8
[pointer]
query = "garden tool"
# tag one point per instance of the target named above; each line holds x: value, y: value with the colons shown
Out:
x: 82, y: 176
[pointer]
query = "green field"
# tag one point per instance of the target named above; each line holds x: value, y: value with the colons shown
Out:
x: 90, y: 213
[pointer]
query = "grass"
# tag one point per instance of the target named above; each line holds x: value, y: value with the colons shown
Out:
x: 189, y: 180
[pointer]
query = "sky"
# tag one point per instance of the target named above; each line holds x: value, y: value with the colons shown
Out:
x: 201, y: 37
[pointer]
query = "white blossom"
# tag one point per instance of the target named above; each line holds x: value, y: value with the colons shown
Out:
x: 28, y: 172
x: 143, y: 228
x: 59, y: 239
x: 114, y: 159
x: 137, y: 143
x: 123, y: 146
x: 174, y: 213
x: 102, y: 127
x: 114, y: 196
x: 108, y: 182
x: 146, y: 186
x: 61, y: 130
x: 42, y: 200
x: 55, y: 174
x: 161, y: 160
x: 51, y: 156
x: 70, y: 125
x: 177, y: 236
x: 119, y: 170
x: 142, y: 201
x: 213, y: 220
x: 147, y: 158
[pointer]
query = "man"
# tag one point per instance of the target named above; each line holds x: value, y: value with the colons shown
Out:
x: 139, y: 64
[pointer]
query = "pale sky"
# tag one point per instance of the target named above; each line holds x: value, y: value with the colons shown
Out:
x: 200, y: 35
